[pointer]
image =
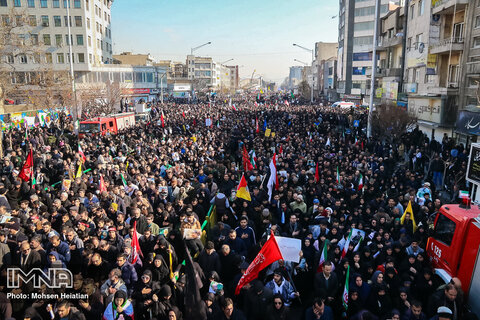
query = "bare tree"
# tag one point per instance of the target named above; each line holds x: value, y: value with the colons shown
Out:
x: 100, y: 99
x: 390, y: 121
x: 38, y: 84
x: 304, y: 89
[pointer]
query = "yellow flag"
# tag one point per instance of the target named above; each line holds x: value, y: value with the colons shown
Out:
x: 267, y: 132
x: 194, y: 139
x: 412, y: 217
x: 126, y: 167
x: 273, y: 134
x: 170, y: 262
x: 79, y: 171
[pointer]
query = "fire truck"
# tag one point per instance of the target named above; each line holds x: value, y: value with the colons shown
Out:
x: 454, y: 249
x: 108, y: 124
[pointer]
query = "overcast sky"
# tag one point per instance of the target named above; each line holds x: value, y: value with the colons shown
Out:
x: 258, y: 35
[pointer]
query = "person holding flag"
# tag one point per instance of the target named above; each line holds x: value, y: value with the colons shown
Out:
x: 408, y: 219
x: 242, y: 189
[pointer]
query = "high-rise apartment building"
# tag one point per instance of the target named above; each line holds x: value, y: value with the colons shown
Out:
x: 48, y: 20
x: 355, y: 42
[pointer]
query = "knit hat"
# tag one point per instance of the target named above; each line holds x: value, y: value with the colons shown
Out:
x: 444, y: 312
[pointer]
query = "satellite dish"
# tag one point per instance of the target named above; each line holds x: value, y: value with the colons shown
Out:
x: 421, y: 47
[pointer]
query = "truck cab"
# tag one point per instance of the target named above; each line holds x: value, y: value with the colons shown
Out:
x: 454, y: 249
x: 100, y: 125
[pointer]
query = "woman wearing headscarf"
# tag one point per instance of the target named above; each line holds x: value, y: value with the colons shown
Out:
x: 379, y: 302
x: 355, y: 305
x: 143, y: 294
x: 278, y: 310
x: 361, y: 286
x: 120, y: 306
x: 160, y: 270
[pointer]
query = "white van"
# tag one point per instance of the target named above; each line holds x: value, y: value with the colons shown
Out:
x: 343, y: 105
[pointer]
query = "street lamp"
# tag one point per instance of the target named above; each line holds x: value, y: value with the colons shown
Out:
x: 200, y: 46
x: 300, y: 62
x: 226, y: 61
x: 72, y: 75
x: 161, y: 86
x: 313, y: 59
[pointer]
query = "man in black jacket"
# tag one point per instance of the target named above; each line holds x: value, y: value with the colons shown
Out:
x: 326, y: 282
x: 209, y: 259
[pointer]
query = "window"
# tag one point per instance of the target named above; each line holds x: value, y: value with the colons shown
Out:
x: 60, y: 58
x: 3, y: 3
x: 444, y: 230
x: 101, y: 45
x: 66, y: 39
x: 46, y: 40
x: 79, y: 39
x: 361, y: 41
x: 412, y: 11
x: 66, y: 20
x: 361, y: 26
x: 17, y: 3
x: 34, y: 39
x: 10, y: 58
x: 90, y: 58
x: 418, y: 40
x: 31, y: 3
x: 36, y: 58
x: 56, y: 3
x: 58, y: 40
x: 87, y: 4
x: 22, y: 58
x: 66, y: 3
x: 48, y: 57
x: 81, y: 58
x: 45, y: 21
x: 78, y: 21
x: 19, y: 21
x: 105, y: 15
x: 98, y: 44
x: 89, y: 41
x: 32, y: 21
x: 421, y: 7
x: 100, y: 29
x: 476, y: 42
x: 409, y: 44
x: 77, y: 4
x: 477, y: 21
x: 88, y: 23
x: 68, y: 58
x: 97, y: 26
x: 57, y: 21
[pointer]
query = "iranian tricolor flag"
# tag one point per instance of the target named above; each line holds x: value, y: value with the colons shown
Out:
x: 135, y: 245
x: 82, y: 155
x: 338, y: 176
x: 257, y: 128
x: 253, y: 158
x: 360, y: 182
x: 125, y: 185
x: 323, y: 257
x: 162, y: 118
x: 347, y: 244
x: 345, y: 290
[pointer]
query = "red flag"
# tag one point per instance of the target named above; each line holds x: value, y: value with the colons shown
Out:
x: 183, y: 113
x: 102, y: 185
x: 135, y: 245
x: 281, y: 150
x: 163, y: 120
x: 247, y: 165
x: 257, y: 128
x: 267, y: 255
x: 317, y: 175
x: 27, y: 169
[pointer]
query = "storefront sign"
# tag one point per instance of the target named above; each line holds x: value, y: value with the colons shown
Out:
x: 468, y: 122
x: 426, y: 109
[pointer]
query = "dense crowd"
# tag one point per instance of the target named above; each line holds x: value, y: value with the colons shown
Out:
x: 164, y: 179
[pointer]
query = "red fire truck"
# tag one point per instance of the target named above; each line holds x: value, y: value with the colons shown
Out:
x: 454, y: 249
x: 109, y: 124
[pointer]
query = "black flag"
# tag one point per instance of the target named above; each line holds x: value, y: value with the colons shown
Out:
x: 195, y: 308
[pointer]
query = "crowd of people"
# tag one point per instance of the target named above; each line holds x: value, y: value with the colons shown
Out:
x: 157, y: 179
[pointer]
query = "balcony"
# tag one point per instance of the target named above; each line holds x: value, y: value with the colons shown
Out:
x: 390, y: 42
x: 445, y: 45
x: 473, y: 68
x: 452, y: 89
x: 447, y: 6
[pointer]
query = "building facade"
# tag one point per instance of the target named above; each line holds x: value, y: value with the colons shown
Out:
x: 133, y: 59
x: 355, y: 40
x: 91, y: 34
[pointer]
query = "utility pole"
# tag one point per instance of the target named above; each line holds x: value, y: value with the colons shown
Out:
x: 72, y: 75
x: 374, y: 68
